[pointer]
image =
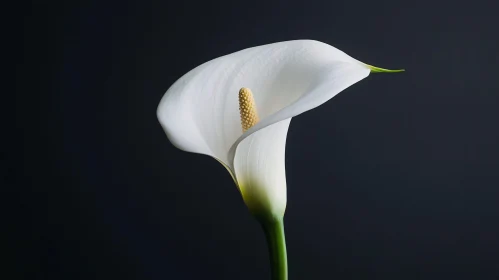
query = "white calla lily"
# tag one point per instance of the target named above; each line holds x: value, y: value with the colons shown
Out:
x: 237, y: 108
x: 200, y: 111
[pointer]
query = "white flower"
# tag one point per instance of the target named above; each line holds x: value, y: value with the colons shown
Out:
x: 200, y: 111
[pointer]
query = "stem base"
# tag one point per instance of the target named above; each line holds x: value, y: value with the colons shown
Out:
x: 274, y: 232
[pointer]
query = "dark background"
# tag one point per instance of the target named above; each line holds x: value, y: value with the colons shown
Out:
x: 395, y: 178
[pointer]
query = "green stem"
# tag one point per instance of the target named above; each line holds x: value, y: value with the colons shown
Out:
x: 274, y: 231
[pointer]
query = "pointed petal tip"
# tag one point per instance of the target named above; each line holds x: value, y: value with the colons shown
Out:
x: 375, y: 69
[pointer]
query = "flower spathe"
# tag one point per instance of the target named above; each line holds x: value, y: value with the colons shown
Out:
x: 200, y: 111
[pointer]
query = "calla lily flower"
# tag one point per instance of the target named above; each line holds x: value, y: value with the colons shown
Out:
x: 237, y: 109
x: 200, y: 112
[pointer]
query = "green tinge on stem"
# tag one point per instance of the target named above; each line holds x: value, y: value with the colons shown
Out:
x: 274, y: 232
x: 375, y: 69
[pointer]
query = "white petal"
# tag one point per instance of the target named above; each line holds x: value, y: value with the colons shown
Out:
x: 200, y: 111
x: 260, y: 169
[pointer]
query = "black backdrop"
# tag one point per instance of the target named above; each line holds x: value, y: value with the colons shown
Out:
x: 395, y: 178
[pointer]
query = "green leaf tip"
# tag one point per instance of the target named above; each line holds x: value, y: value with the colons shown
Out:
x: 375, y: 69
